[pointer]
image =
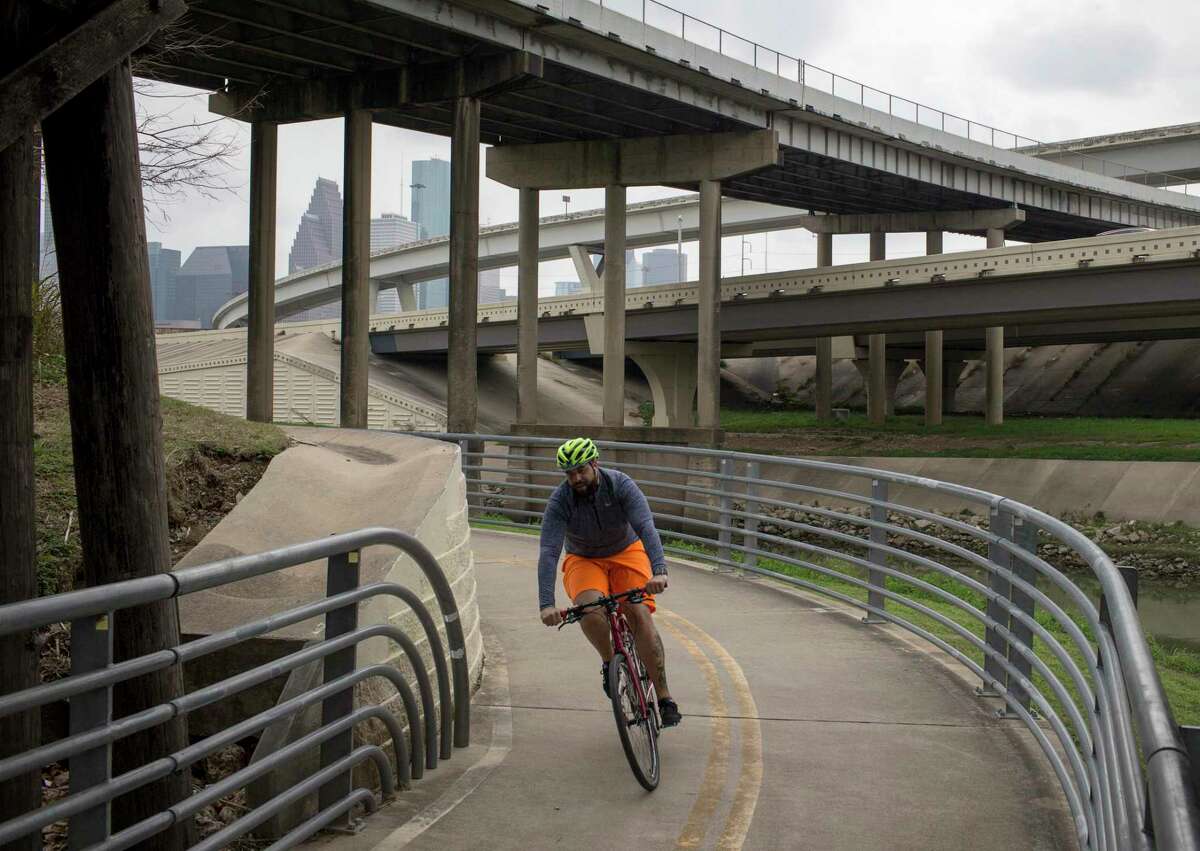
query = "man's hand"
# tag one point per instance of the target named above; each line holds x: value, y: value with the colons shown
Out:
x: 551, y: 616
x: 657, y: 584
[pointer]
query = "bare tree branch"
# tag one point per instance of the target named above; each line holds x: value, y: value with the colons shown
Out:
x: 179, y: 156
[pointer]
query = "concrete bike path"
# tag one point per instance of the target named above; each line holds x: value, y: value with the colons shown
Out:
x: 803, y: 728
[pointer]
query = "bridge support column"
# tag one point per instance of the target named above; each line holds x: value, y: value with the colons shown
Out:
x: 995, y: 352
x: 462, y: 403
x: 877, y: 391
x: 260, y: 333
x: 116, y: 421
x: 408, y: 296
x: 527, y: 303
x: 20, y: 188
x: 824, y: 376
x: 356, y: 261
x: 588, y: 276
x: 708, y: 314
x: 670, y: 370
x: 614, y: 305
x: 932, y: 365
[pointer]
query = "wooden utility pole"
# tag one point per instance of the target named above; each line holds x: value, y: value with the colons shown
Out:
x: 116, y: 425
x: 20, y: 186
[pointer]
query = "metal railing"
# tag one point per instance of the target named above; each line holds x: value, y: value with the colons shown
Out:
x: 657, y: 17
x: 94, y: 733
x: 1089, y: 695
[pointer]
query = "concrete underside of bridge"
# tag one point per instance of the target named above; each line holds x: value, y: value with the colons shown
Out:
x: 510, y: 75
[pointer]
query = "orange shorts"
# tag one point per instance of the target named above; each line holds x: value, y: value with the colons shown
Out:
x: 613, y: 574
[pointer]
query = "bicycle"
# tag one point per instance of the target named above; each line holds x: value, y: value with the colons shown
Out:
x: 634, y: 702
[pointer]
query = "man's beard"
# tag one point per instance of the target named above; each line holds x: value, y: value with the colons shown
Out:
x: 586, y: 488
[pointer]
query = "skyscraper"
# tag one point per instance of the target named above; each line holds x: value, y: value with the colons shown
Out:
x: 490, y: 291
x: 431, y: 210
x: 568, y: 287
x: 663, y: 266
x: 319, y: 237
x: 212, y: 275
x: 391, y: 230
x: 164, y: 280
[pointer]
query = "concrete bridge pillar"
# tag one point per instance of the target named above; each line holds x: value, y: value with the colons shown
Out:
x: 995, y: 352
x: 589, y: 277
x: 357, y: 295
x: 462, y: 377
x: 260, y: 334
x: 407, y: 293
x: 670, y: 370
x: 527, y: 302
x: 932, y: 365
x: 877, y: 391
x: 614, y: 305
x: 708, y: 314
x: 824, y: 376
x: 951, y: 371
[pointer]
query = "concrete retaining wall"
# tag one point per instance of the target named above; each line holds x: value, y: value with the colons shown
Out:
x: 1124, y: 490
x: 333, y: 481
x: 1156, y: 491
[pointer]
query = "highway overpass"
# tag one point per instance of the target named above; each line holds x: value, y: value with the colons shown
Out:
x: 572, y: 94
x: 595, y: 74
x: 1158, y: 156
x: 647, y: 223
x: 1074, y: 285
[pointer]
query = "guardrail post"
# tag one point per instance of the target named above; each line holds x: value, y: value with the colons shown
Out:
x: 341, y: 576
x: 750, y: 526
x: 1025, y: 536
x: 876, y: 579
x: 1130, y: 575
x: 724, y: 519
x: 1000, y: 525
x: 91, y: 650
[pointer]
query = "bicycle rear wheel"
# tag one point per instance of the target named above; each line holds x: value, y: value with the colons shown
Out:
x: 638, y: 731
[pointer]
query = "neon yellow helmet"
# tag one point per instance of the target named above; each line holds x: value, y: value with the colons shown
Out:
x: 576, y: 452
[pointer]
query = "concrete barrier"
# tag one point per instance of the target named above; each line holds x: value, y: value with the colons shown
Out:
x: 332, y: 481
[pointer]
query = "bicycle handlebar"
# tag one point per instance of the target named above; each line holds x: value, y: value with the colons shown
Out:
x: 576, y: 613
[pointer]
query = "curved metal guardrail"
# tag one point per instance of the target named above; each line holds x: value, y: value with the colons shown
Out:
x: 1089, y: 693
x: 93, y: 733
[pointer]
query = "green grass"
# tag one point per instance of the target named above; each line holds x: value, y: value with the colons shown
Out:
x: 188, y: 431
x: 1178, y: 667
x: 1084, y: 438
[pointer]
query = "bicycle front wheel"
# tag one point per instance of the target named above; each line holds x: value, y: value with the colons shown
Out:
x: 638, y: 732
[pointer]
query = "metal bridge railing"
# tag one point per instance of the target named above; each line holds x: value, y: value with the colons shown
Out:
x: 94, y: 734
x: 667, y: 20
x: 1086, y: 689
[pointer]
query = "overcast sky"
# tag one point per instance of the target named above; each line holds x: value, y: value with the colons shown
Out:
x: 1045, y: 70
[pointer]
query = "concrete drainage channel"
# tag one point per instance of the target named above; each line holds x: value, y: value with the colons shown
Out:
x: 94, y: 734
x: 1091, y: 698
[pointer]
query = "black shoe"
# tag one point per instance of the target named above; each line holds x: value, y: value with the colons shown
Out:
x: 668, y: 712
x: 604, y: 677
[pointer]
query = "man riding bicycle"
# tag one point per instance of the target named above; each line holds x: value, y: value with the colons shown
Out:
x: 612, y: 547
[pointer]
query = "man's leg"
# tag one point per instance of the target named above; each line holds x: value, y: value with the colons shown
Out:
x: 649, y: 646
x: 595, y: 625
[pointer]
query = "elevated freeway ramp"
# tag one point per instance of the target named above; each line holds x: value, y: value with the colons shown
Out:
x: 802, y: 729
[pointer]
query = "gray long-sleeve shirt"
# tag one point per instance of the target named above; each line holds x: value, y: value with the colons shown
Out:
x: 596, y: 526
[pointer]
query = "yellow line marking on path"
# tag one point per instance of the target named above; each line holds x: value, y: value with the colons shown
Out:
x: 708, y: 798
x: 737, y: 825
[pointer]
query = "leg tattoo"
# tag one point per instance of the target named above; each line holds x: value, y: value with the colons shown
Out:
x: 661, y: 661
